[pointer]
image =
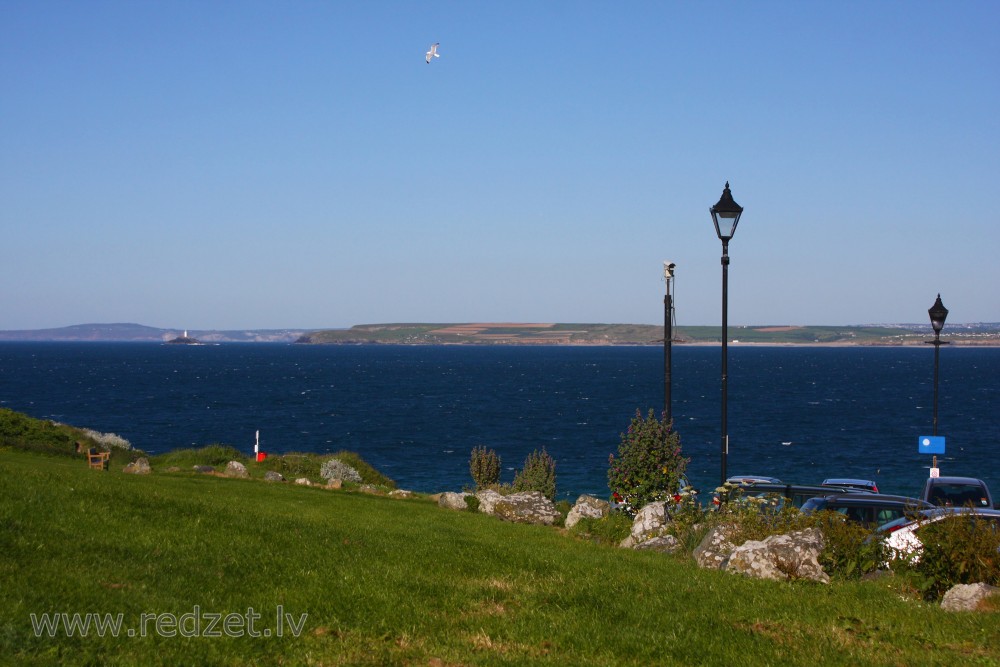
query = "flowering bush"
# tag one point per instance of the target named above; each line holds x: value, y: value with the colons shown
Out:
x: 538, y: 474
x: 485, y: 467
x: 108, y: 440
x: 649, y: 466
x: 337, y: 469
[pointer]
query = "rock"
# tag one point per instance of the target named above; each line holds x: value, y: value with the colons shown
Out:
x: 370, y: 489
x: 453, y: 501
x: 779, y: 557
x: 205, y: 470
x: 236, y: 469
x: 967, y: 597
x: 628, y: 543
x: 488, y: 499
x: 303, y: 481
x: 273, y: 476
x: 173, y: 469
x: 714, y: 549
x: 138, y: 467
x: 335, y: 483
x: 527, y: 507
x: 400, y: 493
x: 589, y: 507
x: 649, y: 521
x: 664, y: 543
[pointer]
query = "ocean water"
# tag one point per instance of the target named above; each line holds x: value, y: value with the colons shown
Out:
x: 798, y: 413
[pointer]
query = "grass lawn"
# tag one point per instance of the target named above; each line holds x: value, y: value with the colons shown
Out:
x: 362, y: 579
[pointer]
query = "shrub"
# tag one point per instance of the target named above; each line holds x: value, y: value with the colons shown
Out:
x: 850, y: 549
x: 484, y: 465
x: 108, y: 440
x: 649, y: 466
x: 538, y: 474
x: 369, y: 475
x: 610, y: 529
x: 337, y: 469
x: 957, y: 550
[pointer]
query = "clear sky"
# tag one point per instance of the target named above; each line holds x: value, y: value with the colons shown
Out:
x: 294, y: 164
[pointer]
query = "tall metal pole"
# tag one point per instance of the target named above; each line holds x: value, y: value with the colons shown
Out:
x: 937, y: 350
x: 668, y: 339
x: 725, y: 355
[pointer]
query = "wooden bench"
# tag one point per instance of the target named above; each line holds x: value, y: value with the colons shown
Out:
x: 97, y: 460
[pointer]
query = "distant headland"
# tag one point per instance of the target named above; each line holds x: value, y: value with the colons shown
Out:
x: 522, y: 333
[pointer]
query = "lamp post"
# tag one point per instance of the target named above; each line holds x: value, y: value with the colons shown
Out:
x: 938, y: 315
x: 668, y: 337
x: 726, y: 215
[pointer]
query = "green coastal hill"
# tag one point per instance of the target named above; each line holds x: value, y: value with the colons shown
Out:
x: 645, y: 334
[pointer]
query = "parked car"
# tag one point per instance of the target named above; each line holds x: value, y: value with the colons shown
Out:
x: 902, y: 535
x: 797, y: 494
x: 957, y: 492
x: 870, y: 509
x: 852, y: 483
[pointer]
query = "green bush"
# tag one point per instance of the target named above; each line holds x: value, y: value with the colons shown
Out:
x: 649, y: 465
x: 20, y: 431
x: 484, y: 464
x: 610, y: 529
x: 209, y: 455
x: 538, y: 474
x: 957, y: 550
x: 850, y: 549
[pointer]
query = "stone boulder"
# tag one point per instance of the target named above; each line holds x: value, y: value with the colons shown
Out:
x: 453, y: 501
x: 967, y: 597
x: 401, y: 493
x: 713, y: 551
x: 204, y: 470
x: 138, y: 467
x: 236, y: 469
x: 779, y: 557
x: 527, y: 507
x: 488, y: 499
x: 335, y: 483
x: 303, y: 481
x: 662, y: 543
x: 649, y: 521
x: 589, y: 507
x: 273, y: 476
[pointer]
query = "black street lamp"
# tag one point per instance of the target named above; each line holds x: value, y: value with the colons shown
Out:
x: 668, y: 337
x: 938, y: 315
x: 726, y: 215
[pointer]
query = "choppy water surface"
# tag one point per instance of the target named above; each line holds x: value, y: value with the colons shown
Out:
x: 798, y: 413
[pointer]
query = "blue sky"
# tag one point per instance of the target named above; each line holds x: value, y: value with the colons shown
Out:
x: 297, y: 164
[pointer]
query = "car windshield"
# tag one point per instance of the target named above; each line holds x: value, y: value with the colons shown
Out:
x: 959, y: 495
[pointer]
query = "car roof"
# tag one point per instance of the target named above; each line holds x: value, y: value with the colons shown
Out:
x: 751, y: 479
x: 972, y: 481
x: 938, y: 513
x: 848, y: 480
x: 873, y: 499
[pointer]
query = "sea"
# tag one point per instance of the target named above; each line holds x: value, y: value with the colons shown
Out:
x: 798, y: 413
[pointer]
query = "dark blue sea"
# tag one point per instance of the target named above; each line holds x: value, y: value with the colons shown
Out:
x: 798, y: 413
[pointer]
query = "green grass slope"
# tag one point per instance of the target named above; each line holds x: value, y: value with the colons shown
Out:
x: 370, y: 580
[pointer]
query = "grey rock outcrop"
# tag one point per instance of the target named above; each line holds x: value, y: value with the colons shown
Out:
x: 205, y: 470
x: 303, y: 481
x: 488, y: 499
x: 589, y: 507
x: 664, y: 543
x: 401, y: 493
x: 236, y: 469
x: 453, y: 501
x: 138, y: 467
x: 649, y: 522
x: 791, y: 556
x: 967, y: 597
x: 273, y: 476
x: 527, y: 507
x: 714, y: 549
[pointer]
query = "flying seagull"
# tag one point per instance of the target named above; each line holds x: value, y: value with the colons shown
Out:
x: 433, y: 53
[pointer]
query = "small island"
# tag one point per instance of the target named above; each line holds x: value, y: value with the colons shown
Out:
x: 184, y: 340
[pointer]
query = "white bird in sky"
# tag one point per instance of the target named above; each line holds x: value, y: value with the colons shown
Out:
x: 433, y: 53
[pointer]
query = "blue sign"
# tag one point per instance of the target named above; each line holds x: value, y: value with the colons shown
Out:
x: 931, y: 444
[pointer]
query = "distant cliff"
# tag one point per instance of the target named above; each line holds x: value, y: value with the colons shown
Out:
x: 137, y: 333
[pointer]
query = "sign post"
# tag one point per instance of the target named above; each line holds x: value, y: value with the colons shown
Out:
x: 931, y: 444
